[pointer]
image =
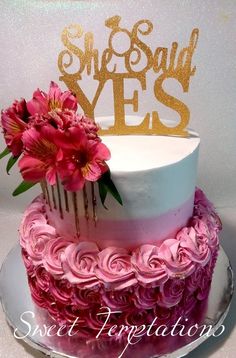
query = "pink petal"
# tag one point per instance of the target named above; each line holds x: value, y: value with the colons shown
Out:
x: 72, y: 139
x: 21, y: 109
x: 103, y: 153
x: 51, y: 176
x: 54, y: 93
x: 40, y: 144
x: 65, y: 99
x: 69, y: 101
x: 49, y: 132
x: 103, y: 167
x: 38, y: 104
x: 12, y: 123
x: 98, y: 150
x: 13, y: 128
x: 66, y: 168
x: 74, y: 182
x: 32, y: 169
x: 60, y: 155
x: 30, y: 139
x: 14, y: 144
x: 92, y: 172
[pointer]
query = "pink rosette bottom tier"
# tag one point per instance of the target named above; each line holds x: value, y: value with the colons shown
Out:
x: 75, y: 280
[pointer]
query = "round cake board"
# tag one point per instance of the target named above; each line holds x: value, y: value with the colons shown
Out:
x: 16, y: 302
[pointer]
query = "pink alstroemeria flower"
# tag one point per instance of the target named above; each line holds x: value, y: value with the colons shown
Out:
x: 41, y: 155
x: 67, y: 118
x: 83, y: 159
x: 14, y: 123
x: 43, y: 103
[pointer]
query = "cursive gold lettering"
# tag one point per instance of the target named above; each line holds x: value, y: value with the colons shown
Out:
x: 138, y: 58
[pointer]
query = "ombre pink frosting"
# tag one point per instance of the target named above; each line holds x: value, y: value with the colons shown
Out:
x: 125, y: 233
x: 114, y: 268
x: 79, y: 262
x: 52, y: 259
x: 66, y: 276
x: 149, y: 265
x: 33, y: 216
x: 84, y: 264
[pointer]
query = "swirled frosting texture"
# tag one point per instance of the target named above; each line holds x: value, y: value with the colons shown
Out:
x: 76, y: 275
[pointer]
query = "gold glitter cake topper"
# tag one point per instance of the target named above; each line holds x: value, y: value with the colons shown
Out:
x: 138, y: 58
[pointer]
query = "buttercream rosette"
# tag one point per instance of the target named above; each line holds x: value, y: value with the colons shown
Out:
x: 68, y: 277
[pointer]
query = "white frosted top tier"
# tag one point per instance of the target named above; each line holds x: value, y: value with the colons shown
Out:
x: 142, y: 152
x: 156, y: 178
x: 137, y: 153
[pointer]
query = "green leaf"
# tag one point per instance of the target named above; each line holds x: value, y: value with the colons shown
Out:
x: 114, y: 192
x: 11, y: 162
x: 106, y: 185
x: 5, y: 152
x: 103, y: 193
x: 24, y: 186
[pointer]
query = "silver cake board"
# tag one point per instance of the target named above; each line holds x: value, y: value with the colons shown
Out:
x: 16, y: 300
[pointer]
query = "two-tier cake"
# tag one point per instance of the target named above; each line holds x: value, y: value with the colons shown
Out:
x: 136, y: 236
x: 120, y: 224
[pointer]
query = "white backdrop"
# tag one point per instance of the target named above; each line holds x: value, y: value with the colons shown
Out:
x: 30, y: 44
